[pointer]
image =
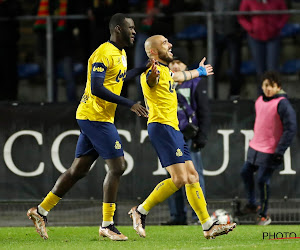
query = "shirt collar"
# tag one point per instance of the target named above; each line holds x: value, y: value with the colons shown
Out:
x: 113, y: 43
x: 163, y: 64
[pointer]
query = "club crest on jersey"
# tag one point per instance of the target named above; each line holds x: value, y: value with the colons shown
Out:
x: 118, y: 145
x: 179, y: 152
x: 124, y: 61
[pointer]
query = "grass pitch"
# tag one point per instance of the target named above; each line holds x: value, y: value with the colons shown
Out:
x: 158, y: 237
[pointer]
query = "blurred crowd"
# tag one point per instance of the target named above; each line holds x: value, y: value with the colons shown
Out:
x: 75, y: 39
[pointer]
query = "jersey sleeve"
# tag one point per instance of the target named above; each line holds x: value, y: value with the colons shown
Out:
x: 100, y: 64
x: 289, y: 122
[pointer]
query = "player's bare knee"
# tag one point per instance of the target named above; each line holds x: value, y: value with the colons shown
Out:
x: 193, y: 177
x: 122, y: 168
x: 117, y: 170
x: 179, y: 181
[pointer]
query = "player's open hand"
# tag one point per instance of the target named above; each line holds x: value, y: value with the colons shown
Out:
x: 208, y: 68
x: 154, y: 74
x: 139, y: 110
x: 154, y: 71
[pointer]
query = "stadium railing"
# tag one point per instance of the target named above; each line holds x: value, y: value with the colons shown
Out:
x: 209, y: 16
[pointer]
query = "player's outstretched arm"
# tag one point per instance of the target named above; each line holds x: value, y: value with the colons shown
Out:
x: 202, y: 70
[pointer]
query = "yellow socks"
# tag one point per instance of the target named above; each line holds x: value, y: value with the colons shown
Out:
x: 108, y: 211
x: 161, y: 192
x: 48, y: 203
x: 197, y: 201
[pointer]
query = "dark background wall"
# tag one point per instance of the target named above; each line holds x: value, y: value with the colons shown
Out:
x: 48, y: 122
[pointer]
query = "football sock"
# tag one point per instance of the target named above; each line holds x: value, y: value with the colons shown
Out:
x: 207, y: 225
x: 160, y: 193
x: 48, y: 203
x: 197, y: 201
x: 108, y: 211
x: 106, y: 223
x: 42, y: 211
x: 142, y: 210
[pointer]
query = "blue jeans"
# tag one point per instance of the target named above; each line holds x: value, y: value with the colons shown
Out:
x: 176, y: 201
x: 265, y: 54
x: 263, y: 179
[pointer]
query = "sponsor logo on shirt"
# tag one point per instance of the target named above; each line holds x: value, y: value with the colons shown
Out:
x: 98, y: 69
x: 121, y: 75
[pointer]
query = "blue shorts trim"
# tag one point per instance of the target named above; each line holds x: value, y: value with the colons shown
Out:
x: 169, y: 144
x: 98, y: 138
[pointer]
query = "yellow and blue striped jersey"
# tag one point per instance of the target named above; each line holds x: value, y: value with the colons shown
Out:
x: 161, y: 100
x: 108, y: 62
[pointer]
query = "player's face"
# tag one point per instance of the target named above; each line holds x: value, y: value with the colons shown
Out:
x: 128, y: 32
x: 177, y: 65
x: 270, y: 89
x: 164, y: 49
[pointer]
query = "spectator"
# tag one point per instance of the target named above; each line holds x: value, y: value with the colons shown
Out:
x: 9, y: 49
x: 227, y: 35
x: 263, y: 32
x: 193, y: 102
x: 274, y: 128
x: 66, y: 35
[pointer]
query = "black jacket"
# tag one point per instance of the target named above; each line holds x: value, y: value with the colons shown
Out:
x: 193, y: 94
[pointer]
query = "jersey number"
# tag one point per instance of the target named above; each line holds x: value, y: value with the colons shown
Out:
x: 171, y: 87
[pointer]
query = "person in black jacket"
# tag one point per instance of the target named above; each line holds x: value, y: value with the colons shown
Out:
x: 274, y: 129
x: 193, y: 103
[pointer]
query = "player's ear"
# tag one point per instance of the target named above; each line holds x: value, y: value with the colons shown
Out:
x: 153, y: 51
x: 118, y: 29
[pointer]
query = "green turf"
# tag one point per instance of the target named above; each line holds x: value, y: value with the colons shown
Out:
x: 158, y: 237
